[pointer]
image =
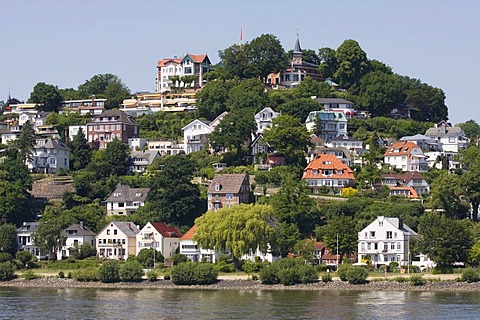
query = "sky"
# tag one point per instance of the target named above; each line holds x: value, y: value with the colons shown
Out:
x: 65, y: 43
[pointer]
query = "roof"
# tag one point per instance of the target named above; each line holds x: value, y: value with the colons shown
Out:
x: 444, y: 128
x: 332, y: 150
x: 166, y: 230
x: 397, y: 223
x: 297, y: 48
x: 416, y: 137
x: 148, y: 155
x: 52, y: 144
x: 79, y: 229
x: 400, y: 148
x: 412, y: 193
x: 345, y: 138
x: 325, y: 115
x: 405, y: 177
x: 129, y: 229
x: 163, y: 62
x: 124, y: 193
x: 190, y: 233
x: 333, y: 100
x: 229, y: 183
x: 29, y: 227
x: 327, y: 162
x: 197, y: 58
x: 112, y: 116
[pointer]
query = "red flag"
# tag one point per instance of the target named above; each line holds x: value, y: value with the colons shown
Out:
x: 241, y: 33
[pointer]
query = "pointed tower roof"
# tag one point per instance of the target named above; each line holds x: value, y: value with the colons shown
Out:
x: 297, y: 48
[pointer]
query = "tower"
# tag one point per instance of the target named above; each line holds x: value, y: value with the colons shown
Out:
x: 297, y: 52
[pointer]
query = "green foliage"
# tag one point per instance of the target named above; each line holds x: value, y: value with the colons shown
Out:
x: 268, y: 276
x: 288, y: 272
x: 4, y: 257
x: 356, y: 275
x: 131, y: 271
x: 47, y: 96
x: 474, y: 254
x: 442, y: 269
x: 417, y: 280
x: 30, y: 275
x: 343, y: 270
x: 191, y: 273
x: 225, y: 264
x: 145, y: 257
x: 352, y: 64
x: 178, y: 258
x: 165, y: 124
x: 8, y: 239
x: 24, y: 257
x: 470, y: 275
x: 326, y: 277
x: 81, y: 153
x: 152, y: 275
x: 109, y: 271
x: 87, y: 275
x: 343, y: 229
x: 7, y: 271
x: 107, y: 86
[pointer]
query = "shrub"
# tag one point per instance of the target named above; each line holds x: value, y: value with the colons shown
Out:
x: 85, y: 275
x: 167, y: 275
x: 4, y: 257
x: 321, y: 268
x: 131, y: 271
x: 225, y: 264
x: 393, y: 266
x: 343, y: 270
x: 288, y: 276
x: 30, y: 275
x: 470, y: 275
x: 326, y: 277
x: 25, y: 257
x: 152, y: 275
x: 145, y: 257
x: 268, y: 276
x: 400, y: 279
x: 7, y: 271
x: 109, y: 271
x: 190, y: 273
x: 417, y: 280
x: 178, y: 258
x: 442, y: 270
x: 61, y: 275
x: 288, y: 272
x: 356, y: 275
x: 308, y: 273
x: 415, y: 269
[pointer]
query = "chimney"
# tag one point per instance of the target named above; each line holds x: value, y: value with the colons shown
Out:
x: 81, y: 225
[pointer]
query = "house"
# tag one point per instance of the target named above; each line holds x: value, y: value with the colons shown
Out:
x: 259, y: 147
x: 110, y: 125
x: 160, y: 236
x: 340, y: 152
x: 406, y: 156
x: 333, y: 123
x: 25, y: 239
x: 385, y: 240
x: 325, y: 256
x: 140, y: 160
x: 117, y: 240
x: 190, y: 248
x: 10, y: 134
x: 264, y: 119
x: 137, y: 144
x: 49, y: 156
x: 411, y: 179
x: 36, y: 118
x: 93, y: 106
x: 166, y: 147
x: 75, y: 236
x: 73, y: 131
x: 296, y: 71
x: 195, y: 134
x: 425, y: 143
x: 226, y: 190
x: 125, y: 200
x: 346, y: 142
x: 191, y: 64
x: 451, y: 139
x: 327, y: 170
x: 147, y: 103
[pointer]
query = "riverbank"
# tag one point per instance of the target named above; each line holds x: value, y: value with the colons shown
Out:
x: 445, y: 286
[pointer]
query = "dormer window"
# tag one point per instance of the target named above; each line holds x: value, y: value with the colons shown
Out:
x: 218, y: 187
x: 138, y: 194
x: 117, y: 194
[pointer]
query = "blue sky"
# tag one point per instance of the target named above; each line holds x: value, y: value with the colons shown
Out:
x: 67, y: 42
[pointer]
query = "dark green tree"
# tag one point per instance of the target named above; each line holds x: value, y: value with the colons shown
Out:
x: 470, y: 184
x: 114, y: 159
x: 107, y: 86
x: 25, y: 142
x: 212, y: 99
x: 234, y: 61
x: 471, y: 129
x: 299, y: 108
x: 248, y: 94
x: 81, y: 152
x: 380, y: 93
x: 47, y: 96
x: 447, y: 195
x: 265, y: 55
x: 8, y: 238
x: 328, y: 62
x: 342, y: 228
x: 352, y: 64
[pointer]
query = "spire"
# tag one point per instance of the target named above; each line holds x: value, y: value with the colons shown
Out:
x: 297, y: 48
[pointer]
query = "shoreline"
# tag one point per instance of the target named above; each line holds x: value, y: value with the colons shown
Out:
x: 441, y: 286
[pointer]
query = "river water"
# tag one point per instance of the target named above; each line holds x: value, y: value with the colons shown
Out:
x: 88, y: 303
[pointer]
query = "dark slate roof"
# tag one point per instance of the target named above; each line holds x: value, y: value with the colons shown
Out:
x: 127, y: 228
x: 229, y: 183
x: 148, y: 156
x: 52, y: 144
x: 124, y: 193
x: 333, y: 100
x: 78, y: 230
x: 297, y: 48
x: 345, y: 138
x: 109, y: 116
x: 27, y: 227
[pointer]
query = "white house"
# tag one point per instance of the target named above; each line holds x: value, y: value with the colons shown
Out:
x: 451, y: 139
x: 10, y: 134
x: 49, y: 156
x: 125, y: 200
x: 264, y: 119
x: 189, y: 247
x: 385, y: 240
x: 406, y: 156
x: 25, y: 239
x: 36, y: 118
x: 333, y: 123
x: 73, y: 131
x: 195, y: 134
x: 346, y: 142
x: 166, y: 146
x: 164, y: 238
x: 408, y: 179
x: 75, y: 236
x: 117, y: 240
x: 190, y: 64
x: 140, y: 160
x: 424, y: 142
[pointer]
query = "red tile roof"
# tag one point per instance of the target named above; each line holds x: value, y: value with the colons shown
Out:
x: 411, y: 190
x: 327, y: 162
x: 190, y: 233
x: 163, y: 62
x: 166, y: 230
x: 400, y: 148
x: 197, y: 58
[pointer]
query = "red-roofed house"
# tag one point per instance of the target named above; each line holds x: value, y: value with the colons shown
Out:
x: 411, y: 179
x: 327, y: 170
x: 406, y: 156
x: 190, y: 64
x: 193, y: 252
x: 164, y: 238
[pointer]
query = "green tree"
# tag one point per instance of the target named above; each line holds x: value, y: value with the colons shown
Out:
x: 81, y: 153
x: 114, y: 159
x: 25, y: 142
x: 342, y: 228
x: 47, y: 96
x: 299, y: 108
x: 8, y: 239
x: 69, y: 94
x: 212, y: 99
x: 235, y: 61
x: 470, y: 183
x: 287, y: 236
x: 240, y: 229
x: 474, y: 254
x: 146, y: 257
x: 444, y: 240
x: 109, y: 271
x: 247, y: 94
x: 289, y: 137
x: 471, y: 129
x: 309, y: 87
x: 265, y: 55
x: 107, y: 86
x: 48, y: 236
x: 352, y: 64
x: 380, y: 93
x: 328, y: 62
x: 447, y: 195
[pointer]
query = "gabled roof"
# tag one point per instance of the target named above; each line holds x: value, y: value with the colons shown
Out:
x: 124, y: 193
x: 109, y: 116
x: 54, y: 144
x: 397, y: 223
x: 404, y: 177
x: 444, y: 128
x: 197, y: 58
x: 344, y: 137
x: 165, y: 230
x: 189, y: 234
x: 28, y: 227
x: 416, y: 137
x: 229, y: 183
x: 412, y: 193
x: 129, y: 229
x: 204, y: 122
x: 79, y: 230
x: 327, y: 162
x: 401, y: 148
x: 149, y: 156
x: 163, y: 62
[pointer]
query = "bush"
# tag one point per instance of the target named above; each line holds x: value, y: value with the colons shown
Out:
x: 109, y: 271
x: 85, y: 275
x: 178, y: 258
x: 190, y: 273
x: 289, y: 272
x: 24, y: 257
x: 152, y: 275
x: 343, y: 270
x: 356, y: 275
x: 61, y: 275
x: 470, y: 275
x: 30, y: 275
x: 4, y: 257
x: 442, y: 270
x: 308, y: 274
x: 7, y: 271
x: 268, y: 276
x: 417, y: 280
x: 145, y: 257
x: 167, y: 275
x: 322, y: 268
x: 131, y: 271
x: 326, y: 277
x: 225, y: 264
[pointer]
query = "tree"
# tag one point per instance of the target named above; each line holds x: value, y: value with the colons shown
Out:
x: 212, y: 99
x: 471, y: 129
x: 114, y: 159
x: 47, y: 96
x: 447, y: 195
x: 352, y: 64
x: 444, y: 240
x: 328, y: 62
x: 8, y: 239
x: 69, y: 94
x: 25, y: 142
x: 265, y: 55
x: 289, y: 137
x: 380, y: 93
x: 342, y: 228
x: 247, y: 94
x: 309, y: 87
x: 308, y: 55
x: 107, y: 86
x: 235, y: 61
x: 240, y: 229
x: 81, y: 152
x: 474, y: 254
x: 299, y: 108
x: 287, y: 236
x: 369, y: 174
x: 470, y: 183
x: 48, y: 236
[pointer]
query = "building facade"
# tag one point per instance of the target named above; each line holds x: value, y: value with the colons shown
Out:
x: 189, y: 65
x: 125, y: 200
x: 117, y: 240
x: 75, y: 236
x: 160, y: 236
x: 406, y: 156
x: 333, y: 124
x: 326, y: 170
x: 111, y: 125
x: 227, y: 190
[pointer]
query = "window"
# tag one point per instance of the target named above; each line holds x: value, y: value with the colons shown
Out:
x: 451, y: 139
x: 217, y: 187
x: 229, y: 196
x: 392, y: 246
x: 121, y: 204
x: 108, y: 232
x: 389, y: 234
x: 362, y: 246
x: 375, y: 246
x: 369, y: 246
x: 372, y: 234
x: 188, y: 70
x: 115, y: 232
x: 385, y: 247
x: 399, y: 245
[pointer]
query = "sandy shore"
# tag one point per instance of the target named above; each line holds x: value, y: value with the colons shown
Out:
x: 447, y: 285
